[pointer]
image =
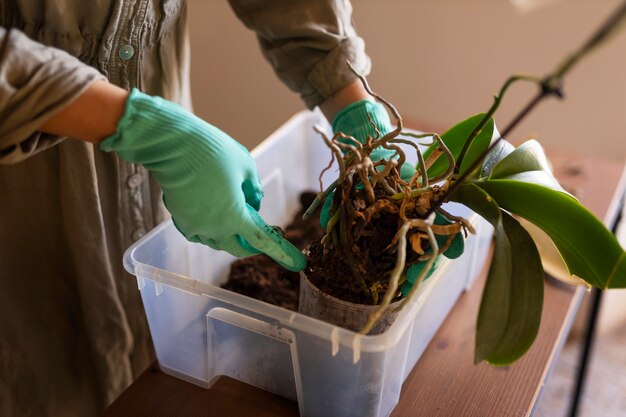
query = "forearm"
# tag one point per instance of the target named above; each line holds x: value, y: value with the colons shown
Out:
x: 347, y: 95
x: 93, y: 116
x: 36, y: 83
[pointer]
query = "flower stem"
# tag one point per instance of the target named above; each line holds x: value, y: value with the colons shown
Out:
x: 497, y: 99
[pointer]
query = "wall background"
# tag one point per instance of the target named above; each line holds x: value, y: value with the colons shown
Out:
x: 438, y: 61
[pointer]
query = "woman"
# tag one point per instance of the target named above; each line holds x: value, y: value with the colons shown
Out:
x: 73, y: 331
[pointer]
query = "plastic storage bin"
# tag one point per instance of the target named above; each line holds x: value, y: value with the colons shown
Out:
x: 202, y: 331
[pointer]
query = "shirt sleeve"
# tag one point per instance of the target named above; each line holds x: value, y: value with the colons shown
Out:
x: 307, y: 42
x: 36, y: 81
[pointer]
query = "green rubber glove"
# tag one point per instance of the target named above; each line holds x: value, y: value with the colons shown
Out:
x: 353, y: 120
x: 209, y: 180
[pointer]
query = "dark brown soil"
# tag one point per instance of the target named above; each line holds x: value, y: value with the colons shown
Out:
x: 358, y: 269
x: 332, y: 275
x: 261, y: 278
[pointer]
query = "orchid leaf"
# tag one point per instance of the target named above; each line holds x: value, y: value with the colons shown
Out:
x: 538, y: 178
x: 455, y: 139
x: 499, y: 152
x: 479, y: 145
x: 510, y: 309
x: 589, y: 249
x: 526, y: 163
x: 529, y: 156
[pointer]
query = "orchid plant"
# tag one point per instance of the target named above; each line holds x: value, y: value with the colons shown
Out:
x: 496, y: 180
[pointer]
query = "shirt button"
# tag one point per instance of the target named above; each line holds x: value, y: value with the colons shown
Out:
x: 126, y: 52
x: 134, y: 181
x: 138, y: 234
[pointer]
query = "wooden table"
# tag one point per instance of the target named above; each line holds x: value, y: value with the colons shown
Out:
x: 444, y: 382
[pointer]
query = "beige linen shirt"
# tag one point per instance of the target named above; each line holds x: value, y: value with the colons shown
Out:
x: 73, y: 333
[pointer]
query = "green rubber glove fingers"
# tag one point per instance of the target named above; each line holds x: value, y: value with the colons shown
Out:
x: 414, y: 271
x: 354, y: 120
x: 455, y: 250
x: 268, y: 240
x: 209, y: 181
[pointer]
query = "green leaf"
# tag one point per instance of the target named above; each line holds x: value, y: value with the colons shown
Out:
x: 501, y: 150
x: 538, y: 178
x: 455, y: 139
x: 529, y: 156
x: 526, y: 163
x: 479, y: 146
x: 589, y: 250
x: 510, y: 309
x: 526, y: 295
